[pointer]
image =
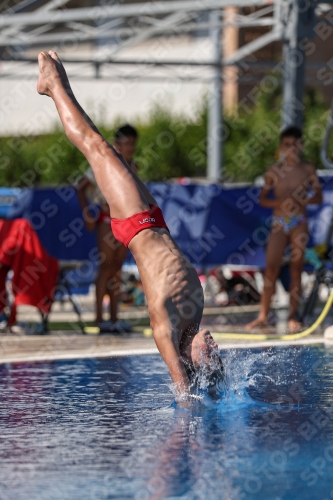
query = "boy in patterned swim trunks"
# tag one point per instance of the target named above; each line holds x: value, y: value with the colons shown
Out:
x: 295, y: 185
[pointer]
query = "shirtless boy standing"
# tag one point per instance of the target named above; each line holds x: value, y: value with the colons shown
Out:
x: 171, y: 284
x: 295, y: 185
x: 112, y: 253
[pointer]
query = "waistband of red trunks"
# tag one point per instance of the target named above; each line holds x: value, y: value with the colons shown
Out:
x: 125, y: 229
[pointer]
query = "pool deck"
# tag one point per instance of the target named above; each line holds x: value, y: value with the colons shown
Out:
x: 62, y: 344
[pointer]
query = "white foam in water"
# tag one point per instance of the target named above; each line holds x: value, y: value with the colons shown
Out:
x: 242, y: 370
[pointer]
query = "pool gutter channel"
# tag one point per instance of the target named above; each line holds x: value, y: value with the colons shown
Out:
x: 64, y: 356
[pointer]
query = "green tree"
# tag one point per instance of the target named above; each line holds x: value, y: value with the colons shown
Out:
x: 171, y: 146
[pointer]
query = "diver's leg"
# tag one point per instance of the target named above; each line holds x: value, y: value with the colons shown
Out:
x: 123, y: 190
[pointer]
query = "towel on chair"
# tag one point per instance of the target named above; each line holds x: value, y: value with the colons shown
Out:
x: 35, y: 271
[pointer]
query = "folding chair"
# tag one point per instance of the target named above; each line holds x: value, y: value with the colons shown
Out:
x: 322, y: 275
x: 73, y: 280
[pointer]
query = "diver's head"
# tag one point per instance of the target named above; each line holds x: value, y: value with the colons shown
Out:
x: 205, y: 369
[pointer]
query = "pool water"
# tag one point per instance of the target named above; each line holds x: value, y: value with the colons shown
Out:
x: 109, y: 429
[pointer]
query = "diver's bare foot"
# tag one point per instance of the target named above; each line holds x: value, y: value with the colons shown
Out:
x: 51, y: 73
x: 294, y: 326
x: 257, y: 323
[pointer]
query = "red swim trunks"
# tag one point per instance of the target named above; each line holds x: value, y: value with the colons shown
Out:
x: 104, y: 217
x: 125, y: 229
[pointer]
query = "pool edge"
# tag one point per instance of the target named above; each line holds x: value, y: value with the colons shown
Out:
x: 139, y: 352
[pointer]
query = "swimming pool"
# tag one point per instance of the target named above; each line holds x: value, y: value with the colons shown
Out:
x: 108, y: 429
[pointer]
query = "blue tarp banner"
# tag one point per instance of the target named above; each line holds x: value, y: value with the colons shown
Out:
x: 211, y: 224
x: 8, y: 196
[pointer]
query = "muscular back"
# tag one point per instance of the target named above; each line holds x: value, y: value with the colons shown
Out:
x: 170, y: 282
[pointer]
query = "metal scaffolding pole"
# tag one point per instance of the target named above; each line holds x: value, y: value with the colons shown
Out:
x: 300, y: 26
x: 215, y: 131
x: 105, y: 12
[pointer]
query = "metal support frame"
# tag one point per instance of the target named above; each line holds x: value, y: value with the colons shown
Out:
x: 83, y: 33
x: 292, y: 22
x: 215, y: 131
x: 171, y: 21
x: 299, y: 27
x: 126, y: 10
x: 177, y: 23
x: 11, y: 31
x: 251, y: 47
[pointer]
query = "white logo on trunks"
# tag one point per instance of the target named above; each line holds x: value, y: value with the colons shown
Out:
x: 148, y: 219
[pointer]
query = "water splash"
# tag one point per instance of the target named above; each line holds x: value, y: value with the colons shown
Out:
x: 227, y: 390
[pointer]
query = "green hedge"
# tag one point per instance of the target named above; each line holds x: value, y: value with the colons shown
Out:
x: 171, y: 146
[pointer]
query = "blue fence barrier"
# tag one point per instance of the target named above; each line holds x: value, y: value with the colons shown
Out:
x: 8, y: 196
x: 211, y: 224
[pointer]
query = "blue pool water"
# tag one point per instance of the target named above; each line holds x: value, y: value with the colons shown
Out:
x: 108, y: 429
